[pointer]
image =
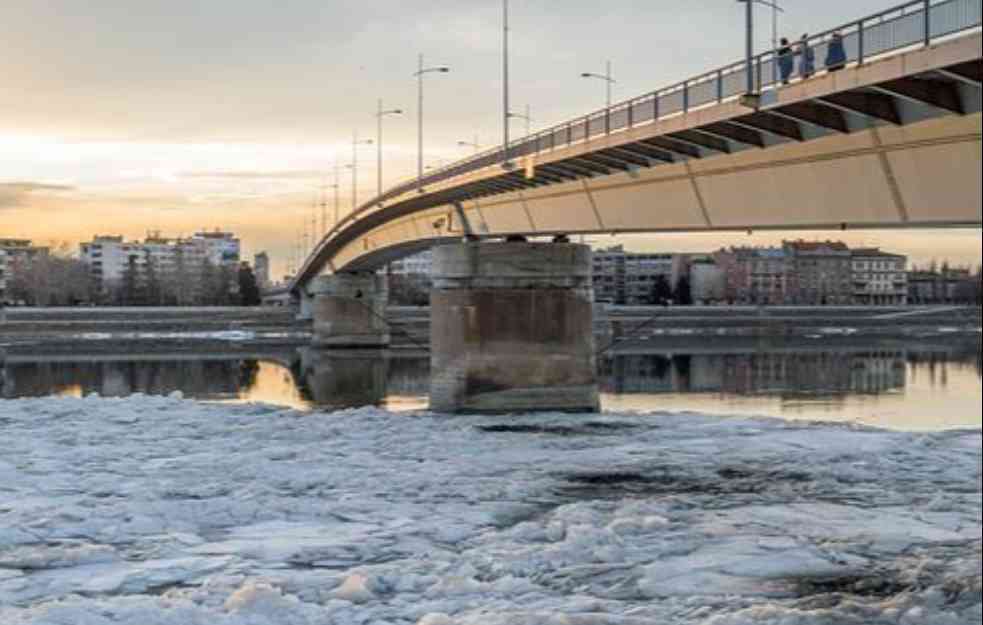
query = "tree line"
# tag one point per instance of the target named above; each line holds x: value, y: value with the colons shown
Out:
x: 58, y: 279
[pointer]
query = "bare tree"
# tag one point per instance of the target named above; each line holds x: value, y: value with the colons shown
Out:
x: 54, y: 279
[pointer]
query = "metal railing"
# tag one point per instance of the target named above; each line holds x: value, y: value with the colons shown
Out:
x: 914, y: 23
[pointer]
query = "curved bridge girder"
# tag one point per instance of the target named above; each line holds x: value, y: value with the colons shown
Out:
x: 892, y: 143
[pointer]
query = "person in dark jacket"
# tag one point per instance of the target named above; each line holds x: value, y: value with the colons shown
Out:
x: 808, y: 63
x: 786, y: 60
x: 836, y: 53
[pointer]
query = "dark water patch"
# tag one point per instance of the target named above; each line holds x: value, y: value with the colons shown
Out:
x: 163, y: 589
x: 591, y: 428
x: 868, y: 587
x: 669, y: 481
x: 191, y: 496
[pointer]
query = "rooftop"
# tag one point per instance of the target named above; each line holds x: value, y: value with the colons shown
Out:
x: 873, y: 252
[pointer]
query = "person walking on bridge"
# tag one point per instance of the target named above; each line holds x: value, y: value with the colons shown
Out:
x: 835, y: 53
x: 786, y: 60
x: 807, y: 66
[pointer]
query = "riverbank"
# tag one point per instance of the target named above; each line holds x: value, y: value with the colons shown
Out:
x: 167, y: 329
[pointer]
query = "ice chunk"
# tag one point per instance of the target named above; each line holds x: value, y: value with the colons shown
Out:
x: 435, y: 618
x: 355, y: 589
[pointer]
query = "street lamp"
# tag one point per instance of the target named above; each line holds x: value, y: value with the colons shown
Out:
x: 775, y: 10
x: 354, y: 166
x: 606, y: 77
x: 324, y: 208
x: 440, y: 69
x: 379, y: 115
x: 506, y: 163
x: 337, y: 190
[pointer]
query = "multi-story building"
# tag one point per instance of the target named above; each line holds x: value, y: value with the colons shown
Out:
x: 409, y: 279
x: 628, y: 278
x: 18, y: 254
x: 21, y: 250
x: 944, y: 286
x: 109, y: 256
x: 175, y: 263
x: 221, y: 248
x: 415, y: 265
x: 609, y: 275
x: 708, y: 282
x: 3, y: 277
x: 755, y: 275
x: 820, y: 273
x: 261, y: 269
x: 879, y: 278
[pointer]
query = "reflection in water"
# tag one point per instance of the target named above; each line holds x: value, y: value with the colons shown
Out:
x: 204, y: 379
x: 912, y: 387
x: 784, y: 374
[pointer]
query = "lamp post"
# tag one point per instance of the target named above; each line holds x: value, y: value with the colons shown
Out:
x: 378, y: 118
x: 355, y: 144
x: 775, y: 10
x: 506, y: 113
x: 750, y: 47
x: 439, y: 69
x: 337, y: 192
x: 324, y: 209
x: 606, y: 77
x: 314, y: 238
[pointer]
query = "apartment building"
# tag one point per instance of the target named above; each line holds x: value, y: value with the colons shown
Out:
x: 879, y: 278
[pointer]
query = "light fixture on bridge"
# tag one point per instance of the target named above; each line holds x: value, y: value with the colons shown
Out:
x: 440, y: 69
x: 608, y: 81
x: 470, y: 144
x: 380, y: 113
x: 354, y: 167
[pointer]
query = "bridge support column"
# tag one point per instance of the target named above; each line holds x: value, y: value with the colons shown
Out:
x: 348, y: 378
x: 349, y: 310
x: 511, y: 328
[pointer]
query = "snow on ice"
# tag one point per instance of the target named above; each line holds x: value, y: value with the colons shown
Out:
x: 163, y: 511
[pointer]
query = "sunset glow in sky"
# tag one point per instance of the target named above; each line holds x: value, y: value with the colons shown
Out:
x: 123, y: 116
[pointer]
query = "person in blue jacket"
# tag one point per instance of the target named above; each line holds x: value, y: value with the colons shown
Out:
x: 808, y: 63
x: 786, y: 60
x: 836, y: 53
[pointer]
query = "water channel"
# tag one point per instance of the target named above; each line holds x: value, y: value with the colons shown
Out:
x: 910, y: 386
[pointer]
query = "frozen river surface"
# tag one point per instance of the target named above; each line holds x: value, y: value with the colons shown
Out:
x: 162, y: 511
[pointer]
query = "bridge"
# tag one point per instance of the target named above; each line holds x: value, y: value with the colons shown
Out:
x: 890, y: 137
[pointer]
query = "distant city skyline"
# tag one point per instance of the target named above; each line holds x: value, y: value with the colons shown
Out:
x: 180, y: 116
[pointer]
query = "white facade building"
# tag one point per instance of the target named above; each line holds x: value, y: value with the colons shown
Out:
x: 879, y: 278
x: 415, y: 265
x: 108, y: 257
x: 627, y: 278
x: 221, y: 248
x: 708, y: 282
x: 261, y: 269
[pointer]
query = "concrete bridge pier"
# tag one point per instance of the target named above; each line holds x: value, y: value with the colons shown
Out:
x: 345, y: 378
x: 349, y: 310
x: 511, y: 328
x: 305, y: 309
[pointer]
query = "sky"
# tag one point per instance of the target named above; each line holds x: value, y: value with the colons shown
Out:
x: 129, y: 116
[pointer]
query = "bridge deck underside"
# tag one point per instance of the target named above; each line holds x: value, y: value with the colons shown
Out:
x: 895, y: 143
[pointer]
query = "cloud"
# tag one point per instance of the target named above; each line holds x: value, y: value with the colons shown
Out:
x: 255, y: 175
x: 13, y: 194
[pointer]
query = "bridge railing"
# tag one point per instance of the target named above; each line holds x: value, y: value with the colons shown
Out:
x: 912, y: 24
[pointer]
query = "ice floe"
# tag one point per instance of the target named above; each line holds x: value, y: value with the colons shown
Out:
x: 164, y: 511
